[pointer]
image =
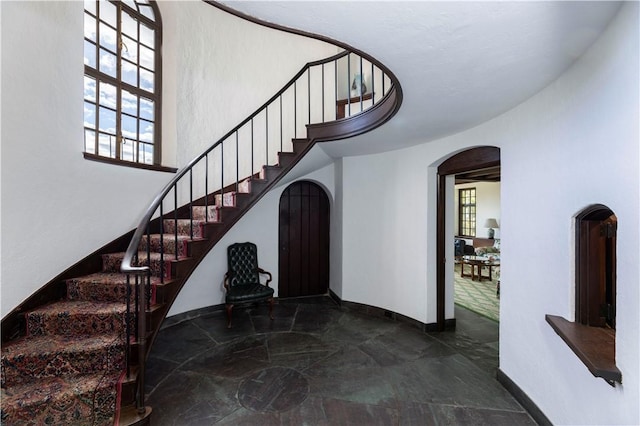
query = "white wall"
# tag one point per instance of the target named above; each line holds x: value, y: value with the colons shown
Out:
x: 572, y: 145
x: 51, y: 195
x: 487, y: 206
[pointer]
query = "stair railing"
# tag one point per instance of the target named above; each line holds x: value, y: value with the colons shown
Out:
x: 332, y: 89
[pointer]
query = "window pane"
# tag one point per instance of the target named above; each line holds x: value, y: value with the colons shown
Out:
x: 127, y: 150
x: 147, y: 36
x: 108, y: 63
x: 146, y: 109
x: 129, y: 26
x: 145, y: 153
x: 147, y: 11
x: 129, y: 127
x: 108, y: 37
x: 90, y: 5
x: 147, y: 58
x: 146, y: 80
x: 90, y: 115
x: 90, y: 141
x: 129, y: 103
x: 129, y: 73
x: 89, y: 27
x: 146, y: 131
x: 108, y: 13
x: 107, y: 95
x: 107, y: 121
x: 129, y: 49
x: 89, y: 89
x: 106, y: 145
x: 130, y: 3
x: 90, y: 54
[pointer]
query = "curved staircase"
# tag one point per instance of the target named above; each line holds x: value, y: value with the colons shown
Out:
x: 74, y: 353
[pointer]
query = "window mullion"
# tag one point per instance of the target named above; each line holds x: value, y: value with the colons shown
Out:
x: 119, y: 139
x: 97, y: 101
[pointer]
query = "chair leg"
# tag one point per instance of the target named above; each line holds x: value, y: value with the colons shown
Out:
x: 271, y: 302
x: 229, y: 309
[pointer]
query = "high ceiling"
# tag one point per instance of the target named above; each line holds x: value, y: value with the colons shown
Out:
x: 459, y: 63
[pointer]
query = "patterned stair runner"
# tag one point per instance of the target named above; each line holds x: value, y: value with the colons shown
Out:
x: 69, y: 368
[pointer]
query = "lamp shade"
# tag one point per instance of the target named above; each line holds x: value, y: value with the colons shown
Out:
x: 491, y: 223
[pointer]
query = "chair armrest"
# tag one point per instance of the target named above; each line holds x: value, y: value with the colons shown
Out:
x: 262, y: 271
x: 226, y: 281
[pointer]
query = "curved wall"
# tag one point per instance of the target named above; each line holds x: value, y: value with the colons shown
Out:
x: 573, y: 144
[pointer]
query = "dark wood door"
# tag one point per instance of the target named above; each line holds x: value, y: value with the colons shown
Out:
x: 304, y: 241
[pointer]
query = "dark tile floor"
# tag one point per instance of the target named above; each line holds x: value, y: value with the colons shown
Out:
x: 319, y: 364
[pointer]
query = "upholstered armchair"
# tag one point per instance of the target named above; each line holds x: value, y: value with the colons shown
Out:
x: 242, y: 280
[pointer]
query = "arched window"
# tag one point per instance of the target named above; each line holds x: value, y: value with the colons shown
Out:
x: 596, y: 229
x: 122, y: 81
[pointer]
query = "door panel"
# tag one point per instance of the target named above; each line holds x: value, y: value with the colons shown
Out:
x: 303, y: 241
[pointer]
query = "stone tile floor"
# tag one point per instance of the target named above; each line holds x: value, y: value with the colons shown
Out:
x: 320, y: 364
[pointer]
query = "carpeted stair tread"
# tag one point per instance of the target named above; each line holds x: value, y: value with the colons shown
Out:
x: 111, y: 262
x: 228, y: 197
x: 206, y: 213
x: 77, y: 317
x: 78, y: 399
x: 168, y: 241
x: 184, y: 226
x: 50, y: 355
x: 104, y: 287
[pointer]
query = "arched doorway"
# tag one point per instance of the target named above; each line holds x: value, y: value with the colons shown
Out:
x: 303, y: 241
x: 471, y: 160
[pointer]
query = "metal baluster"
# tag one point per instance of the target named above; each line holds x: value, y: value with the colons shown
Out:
x: 128, y: 327
x: 175, y: 218
x: 238, y: 161
x: 281, y: 123
x: 323, y: 93
x: 206, y: 187
x: 252, y: 166
x: 142, y: 345
x: 335, y: 76
x: 348, y: 85
x: 266, y: 129
x: 149, y: 255
x: 221, y: 178
x: 161, y: 244
x: 373, y: 94
x: 383, y: 85
x: 295, y: 110
x: 361, y: 82
x: 190, y: 206
x: 309, y: 93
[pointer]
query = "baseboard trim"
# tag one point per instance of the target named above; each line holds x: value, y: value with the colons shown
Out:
x: 450, y: 324
x: 522, y: 398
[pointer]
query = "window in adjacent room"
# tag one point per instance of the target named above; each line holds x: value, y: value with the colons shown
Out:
x: 596, y: 229
x: 122, y: 81
x: 467, y: 212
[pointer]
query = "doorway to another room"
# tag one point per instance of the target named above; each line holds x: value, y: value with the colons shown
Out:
x: 476, y: 275
x: 303, y: 241
x: 468, y: 259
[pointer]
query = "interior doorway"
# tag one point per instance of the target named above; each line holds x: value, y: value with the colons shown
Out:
x: 469, y: 163
x: 303, y: 241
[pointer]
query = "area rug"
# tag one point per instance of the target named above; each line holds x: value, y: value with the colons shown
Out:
x: 477, y: 296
